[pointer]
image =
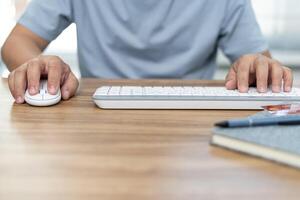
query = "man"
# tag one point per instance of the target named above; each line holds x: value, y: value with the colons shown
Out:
x: 142, y: 39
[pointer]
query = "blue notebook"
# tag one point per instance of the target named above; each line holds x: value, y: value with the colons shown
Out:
x: 276, y: 143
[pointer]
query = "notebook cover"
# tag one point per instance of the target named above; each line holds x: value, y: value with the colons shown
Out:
x: 282, y: 138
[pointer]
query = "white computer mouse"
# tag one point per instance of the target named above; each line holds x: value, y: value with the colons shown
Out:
x: 43, y: 98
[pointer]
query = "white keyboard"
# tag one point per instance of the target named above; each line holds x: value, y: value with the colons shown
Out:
x: 179, y: 97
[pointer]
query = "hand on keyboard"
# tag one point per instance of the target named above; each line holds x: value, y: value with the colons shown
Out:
x: 260, y: 70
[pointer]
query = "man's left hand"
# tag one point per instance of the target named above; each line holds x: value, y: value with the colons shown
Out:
x: 259, y: 70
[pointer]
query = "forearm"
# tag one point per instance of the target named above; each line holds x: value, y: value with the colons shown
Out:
x: 21, y: 46
x: 17, y: 50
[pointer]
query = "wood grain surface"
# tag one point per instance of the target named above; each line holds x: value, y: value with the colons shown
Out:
x: 75, y: 150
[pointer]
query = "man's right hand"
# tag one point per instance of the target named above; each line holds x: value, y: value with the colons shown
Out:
x: 52, y: 68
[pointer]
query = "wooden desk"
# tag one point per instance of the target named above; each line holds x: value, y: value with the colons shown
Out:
x: 77, y: 151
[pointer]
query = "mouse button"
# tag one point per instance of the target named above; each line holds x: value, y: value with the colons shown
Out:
x: 38, y: 96
x: 48, y: 96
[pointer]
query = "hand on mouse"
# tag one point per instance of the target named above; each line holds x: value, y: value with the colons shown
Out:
x: 29, y: 74
x: 260, y: 70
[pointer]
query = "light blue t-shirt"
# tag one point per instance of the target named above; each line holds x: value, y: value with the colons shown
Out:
x: 150, y: 38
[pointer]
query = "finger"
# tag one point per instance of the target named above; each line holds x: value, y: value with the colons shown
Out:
x: 66, y: 73
x: 243, y: 70
x: 231, y: 81
x: 33, y: 76
x: 276, y: 75
x: 69, y: 87
x: 11, y: 83
x: 261, y: 66
x: 19, y: 85
x: 287, y: 79
x: 54, y: 67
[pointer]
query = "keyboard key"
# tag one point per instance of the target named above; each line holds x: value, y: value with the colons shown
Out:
x: 103, y: 90
x: 114, y: 91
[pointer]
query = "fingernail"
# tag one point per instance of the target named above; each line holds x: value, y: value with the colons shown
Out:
x: 262, y: 89
x: 228, y: 83
x: 19, y: 99
x: 243, y: 89
x: 32, y: 90
x: 288, y: 89
x: 66, y: 94
x: 52, y: 89
x: 276, y: 89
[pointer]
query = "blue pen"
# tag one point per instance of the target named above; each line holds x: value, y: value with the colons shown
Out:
x: 265, y: 121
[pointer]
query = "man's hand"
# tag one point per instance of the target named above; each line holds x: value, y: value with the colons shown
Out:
x: 29, y: 74
x: 259, y: 70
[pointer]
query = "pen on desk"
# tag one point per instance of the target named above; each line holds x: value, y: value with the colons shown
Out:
x: 265, y: 121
